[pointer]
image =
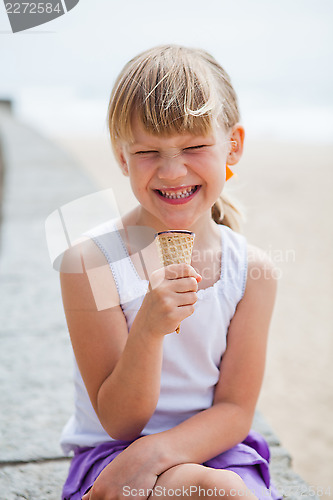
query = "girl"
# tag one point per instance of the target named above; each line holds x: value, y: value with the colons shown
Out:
x: 159, y: 413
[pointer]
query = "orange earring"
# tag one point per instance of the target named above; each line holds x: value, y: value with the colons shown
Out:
x: 228, y: 173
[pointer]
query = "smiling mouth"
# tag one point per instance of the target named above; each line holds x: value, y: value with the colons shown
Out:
x: 177, y: 195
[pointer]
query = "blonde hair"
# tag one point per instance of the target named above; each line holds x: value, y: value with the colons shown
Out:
x: 173, y: 90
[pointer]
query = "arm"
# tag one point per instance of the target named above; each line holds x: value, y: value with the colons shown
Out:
x: 121, y: 369
x: 228, y: 421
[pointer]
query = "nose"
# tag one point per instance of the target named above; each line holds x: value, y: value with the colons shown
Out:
x: 171, y: 168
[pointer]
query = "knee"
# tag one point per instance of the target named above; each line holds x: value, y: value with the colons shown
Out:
x: 199, y: 481
x: 223, y: 483
x: 189, y: 474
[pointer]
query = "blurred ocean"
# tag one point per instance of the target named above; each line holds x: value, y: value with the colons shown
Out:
x: 279, y: 56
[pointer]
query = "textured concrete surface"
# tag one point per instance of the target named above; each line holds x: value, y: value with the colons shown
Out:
x: 35, y: 354
x: 42, y: 480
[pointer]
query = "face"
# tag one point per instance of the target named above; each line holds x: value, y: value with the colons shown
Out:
x: 176, y: 179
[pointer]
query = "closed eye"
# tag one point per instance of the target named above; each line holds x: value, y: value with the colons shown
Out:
x: 145, y: 152
x: 193, y: 148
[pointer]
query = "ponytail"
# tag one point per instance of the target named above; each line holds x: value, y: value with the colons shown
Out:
x: 225, y: 211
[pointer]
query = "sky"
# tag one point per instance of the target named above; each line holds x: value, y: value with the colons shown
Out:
x: 278, y: 53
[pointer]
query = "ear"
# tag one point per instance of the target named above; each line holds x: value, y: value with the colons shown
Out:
x: 236, y: 144
x: 121, y: 158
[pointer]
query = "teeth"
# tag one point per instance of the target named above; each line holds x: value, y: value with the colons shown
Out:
x: 178, y: 194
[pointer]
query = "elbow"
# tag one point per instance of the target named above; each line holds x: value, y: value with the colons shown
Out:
x: 118, y: 424
x: 242, y: 418
x: 123, y: 434
x: 119, y: 428
x: 123, y: 417
x: 245, y: 428
x: 245, y: 421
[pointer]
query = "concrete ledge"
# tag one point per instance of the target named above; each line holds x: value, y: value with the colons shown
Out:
x: 35, y: 354
x: 35, y: 358
x: 34, y: 480
x: 2, y: 169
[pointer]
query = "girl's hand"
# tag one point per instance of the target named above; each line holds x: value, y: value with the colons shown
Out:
x: 134, y: 469
x: 170, y: 299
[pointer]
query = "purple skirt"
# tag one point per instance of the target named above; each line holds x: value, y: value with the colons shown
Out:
x: 249, y: 459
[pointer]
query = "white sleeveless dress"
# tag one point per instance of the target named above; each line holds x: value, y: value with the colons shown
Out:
x: 191, y: 360
x: 190, y: 371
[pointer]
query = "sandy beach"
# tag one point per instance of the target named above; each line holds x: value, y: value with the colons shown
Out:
x: 286, y: 190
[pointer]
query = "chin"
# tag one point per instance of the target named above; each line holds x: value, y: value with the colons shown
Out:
x: 178, y: 222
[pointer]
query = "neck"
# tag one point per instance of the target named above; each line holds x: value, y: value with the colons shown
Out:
x: 204, y: 227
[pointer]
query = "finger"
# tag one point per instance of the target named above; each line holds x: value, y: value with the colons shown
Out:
x: 175, y: 271
x: 183, y: 285
x: 186, y: 311
x: 186, y: 299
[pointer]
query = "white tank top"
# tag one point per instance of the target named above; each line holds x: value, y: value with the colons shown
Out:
x: 191, y: 359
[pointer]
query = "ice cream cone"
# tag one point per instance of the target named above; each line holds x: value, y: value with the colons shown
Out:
x: 175, y: 247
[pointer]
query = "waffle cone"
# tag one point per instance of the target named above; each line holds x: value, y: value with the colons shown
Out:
x: 175, y: 247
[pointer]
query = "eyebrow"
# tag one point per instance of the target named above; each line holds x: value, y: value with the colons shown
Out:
x: 139, y: 145
x: 194, y: 141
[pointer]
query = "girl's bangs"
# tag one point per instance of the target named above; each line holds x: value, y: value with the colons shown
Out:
x: 169, y: 102
x: 171, y: 90
x: 159, y: 119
